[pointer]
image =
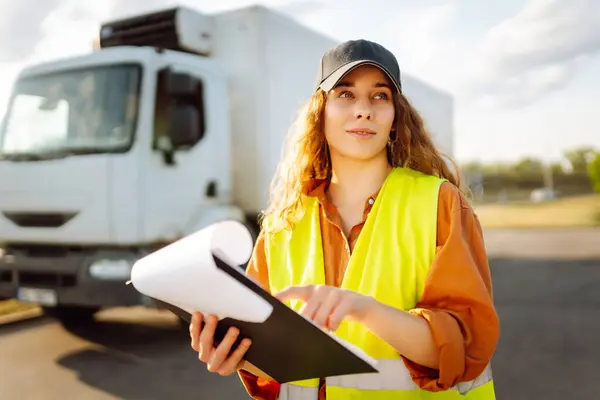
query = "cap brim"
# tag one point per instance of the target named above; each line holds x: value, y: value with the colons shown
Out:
x: 332, y: 80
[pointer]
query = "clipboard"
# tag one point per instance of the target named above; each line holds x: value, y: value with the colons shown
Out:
x: 286, y: 346
x: 201, y: 272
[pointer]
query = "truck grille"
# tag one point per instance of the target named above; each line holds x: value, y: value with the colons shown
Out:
x: 5, y: 276
x: 40, y: 250
x: 46, y: 279
x: 38, y: 279
x: 34, y: 265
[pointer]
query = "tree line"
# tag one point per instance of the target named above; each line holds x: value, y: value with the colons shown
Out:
x: 577, y: 173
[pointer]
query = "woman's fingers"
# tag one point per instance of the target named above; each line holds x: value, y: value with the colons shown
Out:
x: 322, y: 304
x: 230, y: 365
x: 325, y: 308
x: 222, y: 351
x: 337, y: 315
x: 303, y: 293
x: 207, y: 339
x: 195, y: 327
x: 217, y: 359
x: 314, y: 302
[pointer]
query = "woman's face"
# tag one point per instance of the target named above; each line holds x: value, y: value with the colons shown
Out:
x: 359, y: 114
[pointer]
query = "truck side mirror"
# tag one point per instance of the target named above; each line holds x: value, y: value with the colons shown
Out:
x: 185, y: 127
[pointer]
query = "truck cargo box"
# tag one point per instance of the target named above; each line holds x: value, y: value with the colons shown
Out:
x: 272, y: 65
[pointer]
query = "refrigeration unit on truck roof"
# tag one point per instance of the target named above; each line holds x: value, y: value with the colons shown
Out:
x: 179, y: 28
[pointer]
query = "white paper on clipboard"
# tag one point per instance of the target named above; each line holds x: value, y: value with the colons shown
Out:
x: 184, y: 274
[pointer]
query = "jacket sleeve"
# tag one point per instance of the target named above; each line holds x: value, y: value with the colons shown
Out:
x: 457, y: 300
x: 259, y: 388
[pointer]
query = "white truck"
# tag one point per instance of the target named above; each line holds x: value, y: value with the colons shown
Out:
x: 175, y: 122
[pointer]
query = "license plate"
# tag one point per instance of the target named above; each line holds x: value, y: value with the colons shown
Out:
x: 45, y: 297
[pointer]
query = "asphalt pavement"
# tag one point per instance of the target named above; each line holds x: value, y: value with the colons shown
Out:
x: 545, y: 289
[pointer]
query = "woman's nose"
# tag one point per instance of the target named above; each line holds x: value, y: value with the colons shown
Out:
x: 363, y: 109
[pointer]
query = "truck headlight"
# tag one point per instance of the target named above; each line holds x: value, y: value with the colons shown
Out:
x: 111, y: 269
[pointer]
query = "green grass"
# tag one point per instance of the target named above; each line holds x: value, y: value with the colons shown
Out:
x: 13, y: 306
x: 579, y: 211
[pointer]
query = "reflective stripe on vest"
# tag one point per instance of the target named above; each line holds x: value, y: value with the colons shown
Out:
x: 294, y: 392
x: 393, y: 376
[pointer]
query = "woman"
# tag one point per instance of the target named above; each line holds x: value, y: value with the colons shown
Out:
x: 368, y: 234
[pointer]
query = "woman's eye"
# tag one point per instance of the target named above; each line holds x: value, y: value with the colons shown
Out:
x: 349, y: 95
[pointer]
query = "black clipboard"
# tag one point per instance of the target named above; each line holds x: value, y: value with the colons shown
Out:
x: 286, y: 346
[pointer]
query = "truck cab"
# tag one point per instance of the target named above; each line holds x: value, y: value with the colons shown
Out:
x: 106, y: 157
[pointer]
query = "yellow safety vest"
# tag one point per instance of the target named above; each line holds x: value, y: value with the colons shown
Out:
x: 390, y: 263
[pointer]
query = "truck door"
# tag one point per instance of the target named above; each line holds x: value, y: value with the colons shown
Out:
x: 188, y: 163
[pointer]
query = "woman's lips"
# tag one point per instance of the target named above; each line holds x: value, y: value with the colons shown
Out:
x: 361, y: 133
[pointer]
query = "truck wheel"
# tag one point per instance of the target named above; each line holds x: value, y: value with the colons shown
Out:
x: 72, y: 315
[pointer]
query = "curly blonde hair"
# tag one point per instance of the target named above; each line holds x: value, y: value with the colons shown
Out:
x: 306, y: 157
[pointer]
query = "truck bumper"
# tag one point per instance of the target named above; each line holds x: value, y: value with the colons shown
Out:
x: 62, y: 278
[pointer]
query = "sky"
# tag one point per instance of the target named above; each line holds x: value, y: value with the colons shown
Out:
x: 524, y: 74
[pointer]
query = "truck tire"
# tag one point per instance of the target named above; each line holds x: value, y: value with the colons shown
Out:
x: 72, y: 315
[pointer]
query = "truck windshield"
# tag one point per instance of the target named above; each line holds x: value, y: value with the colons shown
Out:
x: 90, y: 110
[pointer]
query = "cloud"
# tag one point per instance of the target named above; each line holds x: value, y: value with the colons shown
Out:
x: 535, y: 52
x: 67, y: 27
x: 425, y: 44
x: 68, y: 30
x: 419, y: 35
x: 20, y: 27
x: 33, y: 30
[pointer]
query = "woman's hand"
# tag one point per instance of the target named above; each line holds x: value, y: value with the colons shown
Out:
x: 216, y: 357
x: 328, y: 306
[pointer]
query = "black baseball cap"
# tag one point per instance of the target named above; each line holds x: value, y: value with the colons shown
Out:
x: 340, y: 60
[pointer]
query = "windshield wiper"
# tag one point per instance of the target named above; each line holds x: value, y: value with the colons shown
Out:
x: 52, y: 154
x: 84, y: 150
x: 46, y: 155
